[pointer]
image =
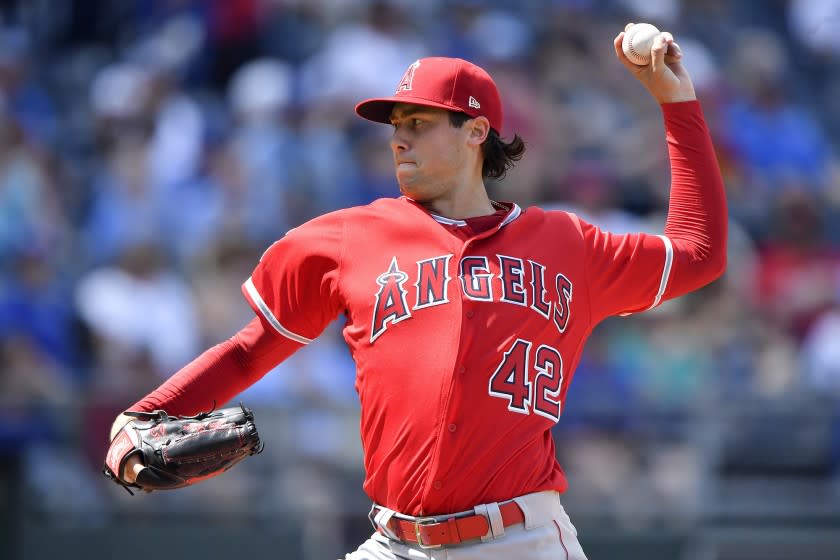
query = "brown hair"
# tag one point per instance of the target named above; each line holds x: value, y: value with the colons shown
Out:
x: 499, y: 156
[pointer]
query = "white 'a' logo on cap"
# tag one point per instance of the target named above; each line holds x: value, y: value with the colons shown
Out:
x: 474, y: 103
x: 408, y: 77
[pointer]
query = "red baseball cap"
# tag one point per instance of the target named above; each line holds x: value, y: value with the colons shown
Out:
x: 446, y: 83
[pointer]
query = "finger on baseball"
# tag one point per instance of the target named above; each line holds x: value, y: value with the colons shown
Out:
x: 657, y: 54
x: 619, y: 53
x: 628, y: 26
x: 674, y: 51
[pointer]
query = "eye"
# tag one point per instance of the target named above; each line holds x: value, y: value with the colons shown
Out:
x: 410, y: 122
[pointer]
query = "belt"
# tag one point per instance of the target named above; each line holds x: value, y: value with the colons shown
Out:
x: 443, y: 530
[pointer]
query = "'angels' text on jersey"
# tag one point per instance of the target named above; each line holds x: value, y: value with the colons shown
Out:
x: 518, y: 282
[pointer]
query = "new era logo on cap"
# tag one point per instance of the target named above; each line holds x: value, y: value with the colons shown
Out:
x: 446, y: 83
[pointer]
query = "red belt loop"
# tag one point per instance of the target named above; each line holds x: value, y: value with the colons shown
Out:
x: 454, y: 534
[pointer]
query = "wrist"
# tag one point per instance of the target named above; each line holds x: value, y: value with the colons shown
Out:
x: 677, y: 99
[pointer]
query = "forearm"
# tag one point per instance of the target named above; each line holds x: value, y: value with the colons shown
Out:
x: 697, y: 214
x: 220, y: 373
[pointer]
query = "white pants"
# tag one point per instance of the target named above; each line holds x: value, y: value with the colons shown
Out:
x: 547, y: 534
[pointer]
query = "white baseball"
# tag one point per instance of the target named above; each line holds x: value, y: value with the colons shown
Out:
x: 638, y: 41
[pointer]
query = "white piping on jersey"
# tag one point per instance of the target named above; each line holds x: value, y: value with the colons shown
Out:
x: 514, y: 213
x: 448, y: 221
x: 666, y: 270
x: 269, y: 316
x: 512, y: 216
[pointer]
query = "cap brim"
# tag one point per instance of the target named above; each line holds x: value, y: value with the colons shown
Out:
x: 379, y: 109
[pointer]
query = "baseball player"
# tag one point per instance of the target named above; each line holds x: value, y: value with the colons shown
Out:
x: 466, y: 316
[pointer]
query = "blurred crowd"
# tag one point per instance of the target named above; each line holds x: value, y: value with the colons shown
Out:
x: 151, y: 150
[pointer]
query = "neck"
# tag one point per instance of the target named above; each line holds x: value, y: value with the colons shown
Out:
x: 461, y: 203
x: 459, y: 210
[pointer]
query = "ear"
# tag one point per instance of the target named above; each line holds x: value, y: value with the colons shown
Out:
x: 479, y: 129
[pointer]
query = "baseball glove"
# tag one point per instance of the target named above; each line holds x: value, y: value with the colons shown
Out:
x: 180, y: 451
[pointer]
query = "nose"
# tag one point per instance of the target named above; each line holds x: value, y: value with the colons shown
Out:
x: 399, y: 142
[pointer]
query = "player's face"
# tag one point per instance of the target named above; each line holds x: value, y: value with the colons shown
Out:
x: 429, y: 153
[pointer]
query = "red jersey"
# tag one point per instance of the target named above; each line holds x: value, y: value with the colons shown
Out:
x: 464, y: 348
x: 465, y: 344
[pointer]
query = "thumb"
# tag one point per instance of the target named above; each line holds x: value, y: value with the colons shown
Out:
x: 657, y: 54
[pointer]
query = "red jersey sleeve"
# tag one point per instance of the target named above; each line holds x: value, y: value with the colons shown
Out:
x: 625, y: 273
x: 635, y: 272
x: 221, y: 372
x: 294, y: 288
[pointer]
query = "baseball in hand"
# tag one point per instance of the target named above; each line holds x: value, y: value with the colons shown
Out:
x: 638, y: 41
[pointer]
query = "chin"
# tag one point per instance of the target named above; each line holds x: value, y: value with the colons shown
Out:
x: 408, y: 189
x: 418, y: 187
x: 413, y: 192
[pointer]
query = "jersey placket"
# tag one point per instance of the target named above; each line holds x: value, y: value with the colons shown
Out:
x: 447, y: 426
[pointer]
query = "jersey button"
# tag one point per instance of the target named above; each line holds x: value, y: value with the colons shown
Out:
x: 470, y: 314
x: 437, y: 485
x: 452, y: 427
x: 462, y: 369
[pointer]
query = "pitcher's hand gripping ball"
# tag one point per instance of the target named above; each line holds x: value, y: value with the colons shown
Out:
x: 638, y: 42
x: 180, y: 451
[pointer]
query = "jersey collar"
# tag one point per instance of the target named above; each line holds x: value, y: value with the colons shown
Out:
x: 514, y: 211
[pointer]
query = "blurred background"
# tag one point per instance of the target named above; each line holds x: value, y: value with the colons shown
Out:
x: 150, y: 150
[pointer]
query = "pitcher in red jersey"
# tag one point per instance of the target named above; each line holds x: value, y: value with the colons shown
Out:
x: 466, y: 316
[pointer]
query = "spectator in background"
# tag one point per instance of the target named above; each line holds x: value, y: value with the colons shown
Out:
x: 24, y: 99
x: 35, y: 243
x: 137, y: 310
x: 124, y: 209
x: 176, y: 142
x: 820, y: 353
x: 292, y: 30
x: 30, y: 213
x: 797, y: 275
x: 814, y: 25
x: 36, y: 304
x: 337, y: 73
x: 262, y: 148
x: 778, y: 142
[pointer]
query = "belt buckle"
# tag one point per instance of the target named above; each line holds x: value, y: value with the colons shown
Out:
x: 419, y: 523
